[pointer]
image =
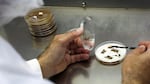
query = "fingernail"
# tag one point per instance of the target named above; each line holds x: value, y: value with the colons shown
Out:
x: 142, y: 47
x: 79, y: 29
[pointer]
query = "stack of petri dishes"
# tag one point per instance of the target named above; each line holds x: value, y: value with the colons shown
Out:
x: 41, y: 22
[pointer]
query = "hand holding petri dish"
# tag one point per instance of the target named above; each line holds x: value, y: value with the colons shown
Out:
x: 88, y: 36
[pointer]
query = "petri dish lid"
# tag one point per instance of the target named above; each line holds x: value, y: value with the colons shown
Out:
x: 110, y: 55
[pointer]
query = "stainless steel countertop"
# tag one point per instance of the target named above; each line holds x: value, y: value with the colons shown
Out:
x: 128, y: 26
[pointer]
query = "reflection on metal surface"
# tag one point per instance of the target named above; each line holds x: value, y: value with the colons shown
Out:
x: 41, y: 42
x: 73, y: 71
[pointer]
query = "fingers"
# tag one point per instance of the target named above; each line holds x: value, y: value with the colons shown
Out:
x: 79, y: 57
x: 77, y: 43
x: 139, y: 50
x: 146, y: 43
x: 146, y: 55
x: 69, y: 36
x: 66, y: 38
x: 148, y: 49
x: 79, y: 51
x: 82, y: 50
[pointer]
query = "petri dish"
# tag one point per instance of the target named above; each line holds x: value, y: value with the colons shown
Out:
x: 41, y: 22
x: 109, y: 55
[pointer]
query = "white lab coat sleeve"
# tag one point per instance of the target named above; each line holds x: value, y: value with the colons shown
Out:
x: 35, y: 66
x: 14, y: 69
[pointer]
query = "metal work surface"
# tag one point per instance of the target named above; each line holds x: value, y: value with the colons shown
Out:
x: 128, y: 26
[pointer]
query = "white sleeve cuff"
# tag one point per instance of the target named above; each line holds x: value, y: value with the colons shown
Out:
x: 35, y: 66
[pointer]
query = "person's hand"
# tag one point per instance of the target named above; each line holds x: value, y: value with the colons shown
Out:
x: 64, y: 50
x: 136, y: 66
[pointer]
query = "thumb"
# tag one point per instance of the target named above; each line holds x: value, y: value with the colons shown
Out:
x: 139, y: 50
x: 71, y: 35
x: 148, y: 49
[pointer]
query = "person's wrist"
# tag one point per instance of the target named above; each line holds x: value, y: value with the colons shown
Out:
x: 46, y: 67
x: 46, y: 64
